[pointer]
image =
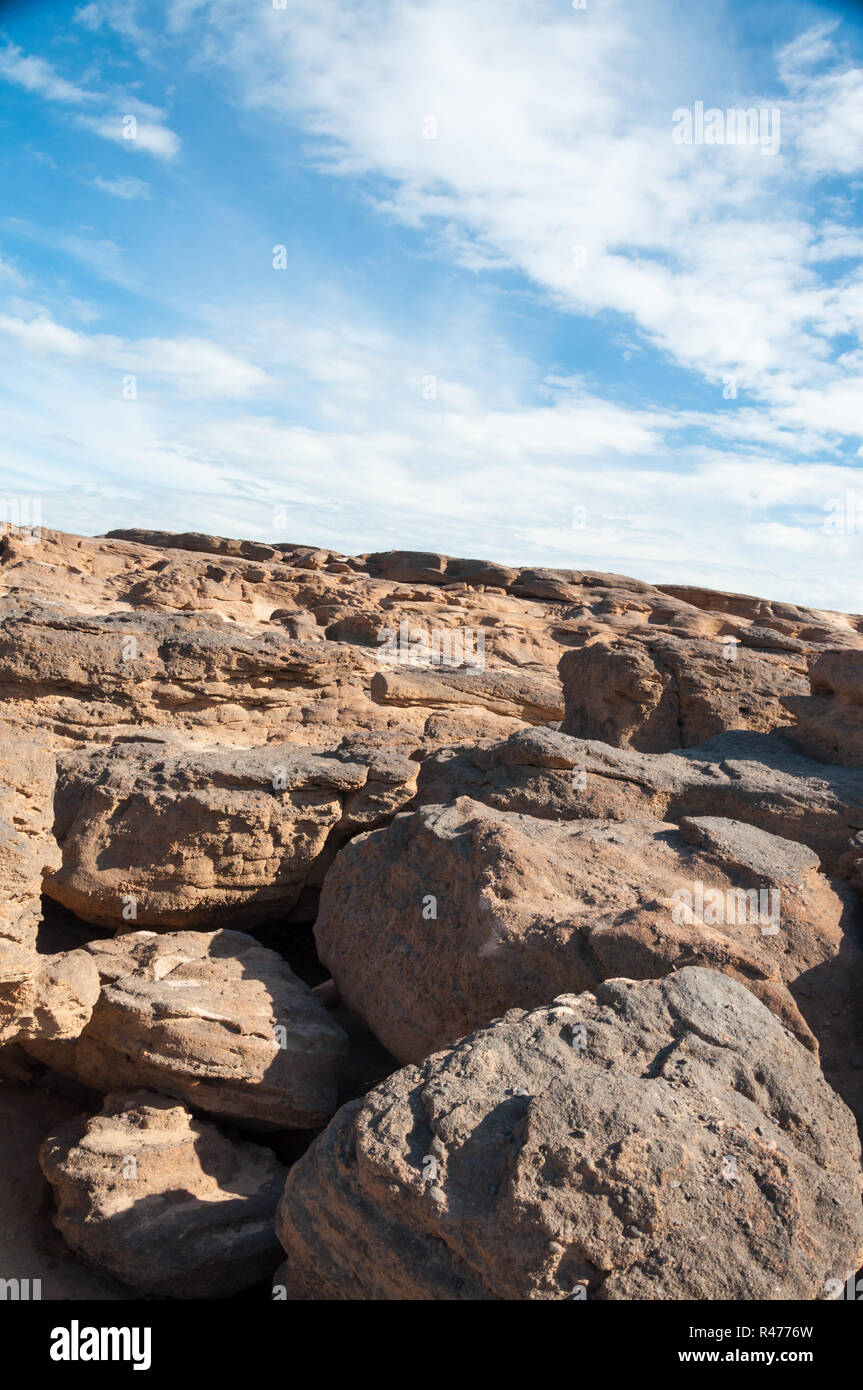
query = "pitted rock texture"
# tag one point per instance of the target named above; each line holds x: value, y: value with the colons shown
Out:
x: 204, y: 835
x: 211, y: 1018
x: 657, y: 692
x: 757, y: 778
x: 27, y: 847
x: 198, y: 731
x: 45, y: 996
x: 486, y: 910
x: 236, y: 640
x: 653, y: 1140
x: 162, y: 1201
x: 829, y: 720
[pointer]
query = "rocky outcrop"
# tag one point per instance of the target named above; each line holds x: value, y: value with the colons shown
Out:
x: 170, y: 834
x: 829, y: 720
x: 162, y: 1201
x: 198, y: 732
x: 236, y: 640
x: 746, y: 776
x: 662, y: 1140
x: 656, y: 692
x: 210, y: 1018
x: 487, y: 910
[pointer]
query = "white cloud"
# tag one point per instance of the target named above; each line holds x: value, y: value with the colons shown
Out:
x: 551, y: 140
x: 191, y: 366
x: 149, y: 137
x: 123, y: 186
x: 37, y: 75
x: 139, y: 125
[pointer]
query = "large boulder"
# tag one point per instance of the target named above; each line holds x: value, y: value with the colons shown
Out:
x: 211, y: 1018
x: 173, y: 834
x: 654, y: 1140
x: 744, y: 776
x: 485, y: 910
x: 654, y: 692
x: 164, y: 1202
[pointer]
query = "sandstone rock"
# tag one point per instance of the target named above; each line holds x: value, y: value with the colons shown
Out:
x: 829, y: 720
x: 665, y: 692
x: 487, y: 910
x: 210, y: 1018
x: 163, y: 1201
x: 31, y: 1251
x: 660, y: 1141
x: 533, y: 698
x: 199, y: 835
x: 48, y: 996
x: 27, y: 848
x: 746, y: 776
x: 242, y: 640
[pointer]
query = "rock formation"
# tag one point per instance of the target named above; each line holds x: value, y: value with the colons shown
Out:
x: 660, y: 1140
x: 162, y: 1201
x: 488, y: 910
x: 277, y: 822
x: 213, y: 1019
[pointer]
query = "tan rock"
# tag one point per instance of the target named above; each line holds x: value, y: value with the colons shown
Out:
x: 164, y: 1202
x: 50, y: 996
x: 31, y: 1251
x: 657, y: 692
x: 757, y: 778
x: 184, y: 835
x: 210, y: 1018
x: 487, y: 910
x: 829, y: 719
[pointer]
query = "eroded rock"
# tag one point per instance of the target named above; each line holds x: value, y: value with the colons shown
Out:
x: 196, y: 835
x: 210, y: 1018
x: 657, y: 692
x: 486, y: 910
x: 654, y: 1140
x: 162, y: 1201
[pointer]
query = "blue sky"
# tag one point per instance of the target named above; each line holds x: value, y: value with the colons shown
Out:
x: 517, y: 319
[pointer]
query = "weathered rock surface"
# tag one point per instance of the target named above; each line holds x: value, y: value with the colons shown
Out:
x: 210, y: 1018
x: 194, y: 727
x: 661, y: 1140
x: 829, y: 720
x: 487, y: 910
x: 656, y: 692
x: 162, y: 1201
x: 199, y: 835
x: 49, y: 996
x: 223, y: 639
x: 27, y: 848
x: 757, y: 778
